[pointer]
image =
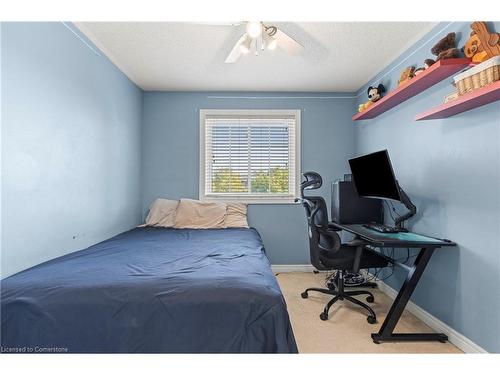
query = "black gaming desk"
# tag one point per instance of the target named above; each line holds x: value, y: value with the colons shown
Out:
x: 427, y: 245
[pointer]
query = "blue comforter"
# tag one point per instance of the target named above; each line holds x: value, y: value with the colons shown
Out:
x: 151, y: 290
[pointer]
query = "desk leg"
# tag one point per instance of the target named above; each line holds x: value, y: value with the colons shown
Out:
x: 386, y: 331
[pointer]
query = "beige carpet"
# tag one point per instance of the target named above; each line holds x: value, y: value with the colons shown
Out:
x: 346, y: 330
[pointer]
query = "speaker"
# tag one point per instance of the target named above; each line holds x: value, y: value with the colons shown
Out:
x: 349, y: 208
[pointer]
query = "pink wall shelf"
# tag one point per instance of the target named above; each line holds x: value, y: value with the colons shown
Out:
x: 436, y: 73
x: 463, y: 103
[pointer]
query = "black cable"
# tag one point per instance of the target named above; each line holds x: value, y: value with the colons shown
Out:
x: 407, y: 256
x: 327, y: 277
x: 392, y: 266
x: 374, y: 275
x: 386, y: 277
x: 394, y: 209
x: 389, y: 209
x: 330, y: 276
x: 371, y: 274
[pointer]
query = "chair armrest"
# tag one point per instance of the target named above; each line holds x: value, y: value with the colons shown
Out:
x: 356, y: 242
x: 330, y: 233
x: 333, y: 227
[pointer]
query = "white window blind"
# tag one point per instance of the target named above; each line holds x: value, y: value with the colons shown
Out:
x: 249, y: 155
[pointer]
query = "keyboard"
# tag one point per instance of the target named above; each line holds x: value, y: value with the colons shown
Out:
x: 384, y: 228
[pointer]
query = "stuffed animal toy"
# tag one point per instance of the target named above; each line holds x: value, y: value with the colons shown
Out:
x: 418, y: 71
x: 375, y: 93
x: 482, y: 44
x: 444, y: 49
x: 473, y: 49
x: 406, y: 74
x: 428, y: 63
x: 364, y: 106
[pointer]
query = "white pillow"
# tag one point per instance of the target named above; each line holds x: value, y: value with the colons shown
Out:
x: 196, y: 214
x: 236, y: 215
x: 162, y: 213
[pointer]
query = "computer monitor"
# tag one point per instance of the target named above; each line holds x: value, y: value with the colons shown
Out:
x: 374, y: 177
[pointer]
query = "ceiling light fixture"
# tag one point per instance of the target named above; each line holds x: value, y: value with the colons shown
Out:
x: 254, y: 29
x: 270, y: 42
x: 259, y: 36
x: 245, y: 45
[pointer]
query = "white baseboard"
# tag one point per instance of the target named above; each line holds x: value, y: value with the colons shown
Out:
x: 456, y: 338
x: 282, y: 268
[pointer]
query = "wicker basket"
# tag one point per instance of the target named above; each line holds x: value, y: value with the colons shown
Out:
x: 479, y: 76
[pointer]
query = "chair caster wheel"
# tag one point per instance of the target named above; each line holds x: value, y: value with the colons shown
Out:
x: 376, y: 342
x: 443, y: 341
x: 323, y: 316
x: 371, y: 319
x: 304, y: 294
x: 370, y: 299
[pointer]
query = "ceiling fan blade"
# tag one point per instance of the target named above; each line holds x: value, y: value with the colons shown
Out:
x: 288, y: 43
x: 235, y: 53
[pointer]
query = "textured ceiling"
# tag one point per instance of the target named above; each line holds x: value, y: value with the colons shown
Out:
x: 174, y: 56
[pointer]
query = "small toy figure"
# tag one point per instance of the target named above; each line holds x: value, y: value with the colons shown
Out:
x: 406, y: 74
x: 374, y: 94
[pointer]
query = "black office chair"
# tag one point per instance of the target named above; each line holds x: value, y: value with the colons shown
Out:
x: 328, y: 253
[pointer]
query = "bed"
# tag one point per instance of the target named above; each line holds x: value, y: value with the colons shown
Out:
x: 151, y: 290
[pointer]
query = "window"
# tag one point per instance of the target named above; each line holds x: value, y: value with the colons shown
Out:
x: 250, y: 155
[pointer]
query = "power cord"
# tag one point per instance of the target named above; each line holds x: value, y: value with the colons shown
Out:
x: 407, y: 256
x: 328, y: 276
x: 374, y: 276
x: 393, y: 213
x: 394, y: 209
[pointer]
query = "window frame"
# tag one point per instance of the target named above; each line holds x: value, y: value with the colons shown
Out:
x: 251, y: 198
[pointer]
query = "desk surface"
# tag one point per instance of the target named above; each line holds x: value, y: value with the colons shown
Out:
x: 402, y: 239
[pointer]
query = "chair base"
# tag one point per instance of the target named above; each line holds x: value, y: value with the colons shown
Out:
x: 367, y: 284
x: 332, y: 285
x: 340, y: 294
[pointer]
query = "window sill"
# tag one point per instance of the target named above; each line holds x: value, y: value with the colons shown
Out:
x: 249, y: 200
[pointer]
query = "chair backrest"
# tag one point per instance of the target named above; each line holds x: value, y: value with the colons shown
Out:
x: 312, y: 181
x: 320, y: 237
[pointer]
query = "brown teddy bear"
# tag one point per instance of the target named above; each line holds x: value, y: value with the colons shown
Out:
x: 444, y: 49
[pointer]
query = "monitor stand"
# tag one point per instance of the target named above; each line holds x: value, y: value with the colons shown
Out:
x: 412, y: 210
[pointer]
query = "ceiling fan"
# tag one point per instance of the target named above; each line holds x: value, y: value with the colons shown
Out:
x: 261, y: 36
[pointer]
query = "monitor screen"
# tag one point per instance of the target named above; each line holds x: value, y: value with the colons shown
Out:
x: 373, y: 176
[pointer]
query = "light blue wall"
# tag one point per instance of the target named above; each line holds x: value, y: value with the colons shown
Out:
x: 70, y: 145
x: 170, y: 161
x: 451, y: 170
